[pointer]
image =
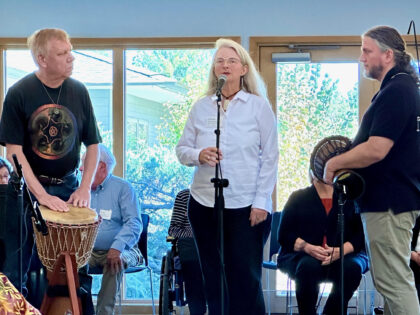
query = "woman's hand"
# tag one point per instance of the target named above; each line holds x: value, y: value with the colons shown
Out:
x: 317, y: 252
x: 415, y: 256
x: 333, y: 255
x: 334, y: 252
x: 209, y: 156
x: 257, y: 216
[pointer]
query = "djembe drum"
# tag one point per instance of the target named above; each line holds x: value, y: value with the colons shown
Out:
x: 350, y: 183
x: 67, y: 247
x: 326, y: 149
x: 73, y: 231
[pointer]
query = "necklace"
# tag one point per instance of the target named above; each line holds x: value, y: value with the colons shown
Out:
x: 59, y: 93
x: 230, y: 96
x: 227, y: 99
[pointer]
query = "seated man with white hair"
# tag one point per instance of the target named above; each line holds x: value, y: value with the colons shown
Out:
x: 115, y: 249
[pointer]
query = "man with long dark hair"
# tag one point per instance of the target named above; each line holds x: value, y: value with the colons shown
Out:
x: 386, y: 152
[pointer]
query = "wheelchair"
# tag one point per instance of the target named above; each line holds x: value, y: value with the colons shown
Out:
x: 171, y: 282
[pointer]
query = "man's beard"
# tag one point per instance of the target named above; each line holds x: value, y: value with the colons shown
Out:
x: 375, y: 72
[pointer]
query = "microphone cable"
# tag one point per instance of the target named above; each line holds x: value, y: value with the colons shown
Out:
x: 415, y: 42
x: 25, y: 231
x: 336, y: 238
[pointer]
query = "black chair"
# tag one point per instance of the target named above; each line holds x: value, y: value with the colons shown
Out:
x: 142, y: 244
x: 274, y: 249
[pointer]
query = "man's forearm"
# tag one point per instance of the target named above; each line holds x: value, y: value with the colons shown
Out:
x: 363, y: 155
x: 89, y: 166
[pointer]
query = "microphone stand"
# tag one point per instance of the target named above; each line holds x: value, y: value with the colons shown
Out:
x: 348, y: 185
x: 219, y: 206
x: 18, y: 182
x: 340, y: 190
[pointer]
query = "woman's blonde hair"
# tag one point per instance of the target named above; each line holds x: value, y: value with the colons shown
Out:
x: 251, y: 82
x: 37, y: 42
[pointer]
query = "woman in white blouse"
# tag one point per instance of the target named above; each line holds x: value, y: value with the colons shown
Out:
x: 248, y: 158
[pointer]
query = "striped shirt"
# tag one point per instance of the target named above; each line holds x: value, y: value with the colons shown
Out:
x: 180, y: 226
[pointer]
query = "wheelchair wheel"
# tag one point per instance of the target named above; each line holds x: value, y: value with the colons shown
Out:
x: 165, y: 290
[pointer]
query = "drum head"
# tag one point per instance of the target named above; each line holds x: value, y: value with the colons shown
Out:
x: 74, y: 216
x: 326, y: 149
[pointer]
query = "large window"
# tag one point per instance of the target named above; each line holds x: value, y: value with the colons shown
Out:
x: 314, y: 100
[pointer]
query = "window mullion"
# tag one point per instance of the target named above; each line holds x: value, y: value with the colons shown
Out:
x: 118, y: 106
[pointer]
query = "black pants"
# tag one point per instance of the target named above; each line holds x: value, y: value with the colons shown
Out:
x: 243, y: 248
x: 310, y: 273
x: 193, y: 278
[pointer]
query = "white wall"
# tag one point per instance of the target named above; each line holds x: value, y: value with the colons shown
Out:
x: 172, y: 18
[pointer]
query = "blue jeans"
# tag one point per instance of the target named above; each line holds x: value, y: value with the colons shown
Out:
x: 11, y: 269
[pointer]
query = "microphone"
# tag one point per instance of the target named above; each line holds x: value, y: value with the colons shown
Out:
x: 18, y: 167
x: 350, y: 183
x: 220, y: 83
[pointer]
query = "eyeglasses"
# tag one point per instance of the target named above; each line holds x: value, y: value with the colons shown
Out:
x: 230, y: 61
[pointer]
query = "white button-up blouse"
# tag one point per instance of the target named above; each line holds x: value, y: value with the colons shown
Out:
x: 248, y: 141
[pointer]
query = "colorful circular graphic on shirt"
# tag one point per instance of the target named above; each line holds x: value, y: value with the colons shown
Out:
x: 53, y: 131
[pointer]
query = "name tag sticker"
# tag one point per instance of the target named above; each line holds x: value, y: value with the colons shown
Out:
x: 211, y: 122
x: 105, y: 214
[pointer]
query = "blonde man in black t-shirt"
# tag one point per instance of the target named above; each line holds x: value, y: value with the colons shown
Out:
x: 46, y: 117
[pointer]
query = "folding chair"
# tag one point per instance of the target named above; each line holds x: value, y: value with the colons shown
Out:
x: 274, y: 249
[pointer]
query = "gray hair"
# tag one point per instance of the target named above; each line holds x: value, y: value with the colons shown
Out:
x: 5, y: 163
x: 106, y: 156
x: 388, y: 38
x: 251, y: 81
x: 38, y: 41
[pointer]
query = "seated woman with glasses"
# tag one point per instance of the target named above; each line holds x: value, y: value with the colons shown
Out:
x: 5, y: 171
x: 310, y: 246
